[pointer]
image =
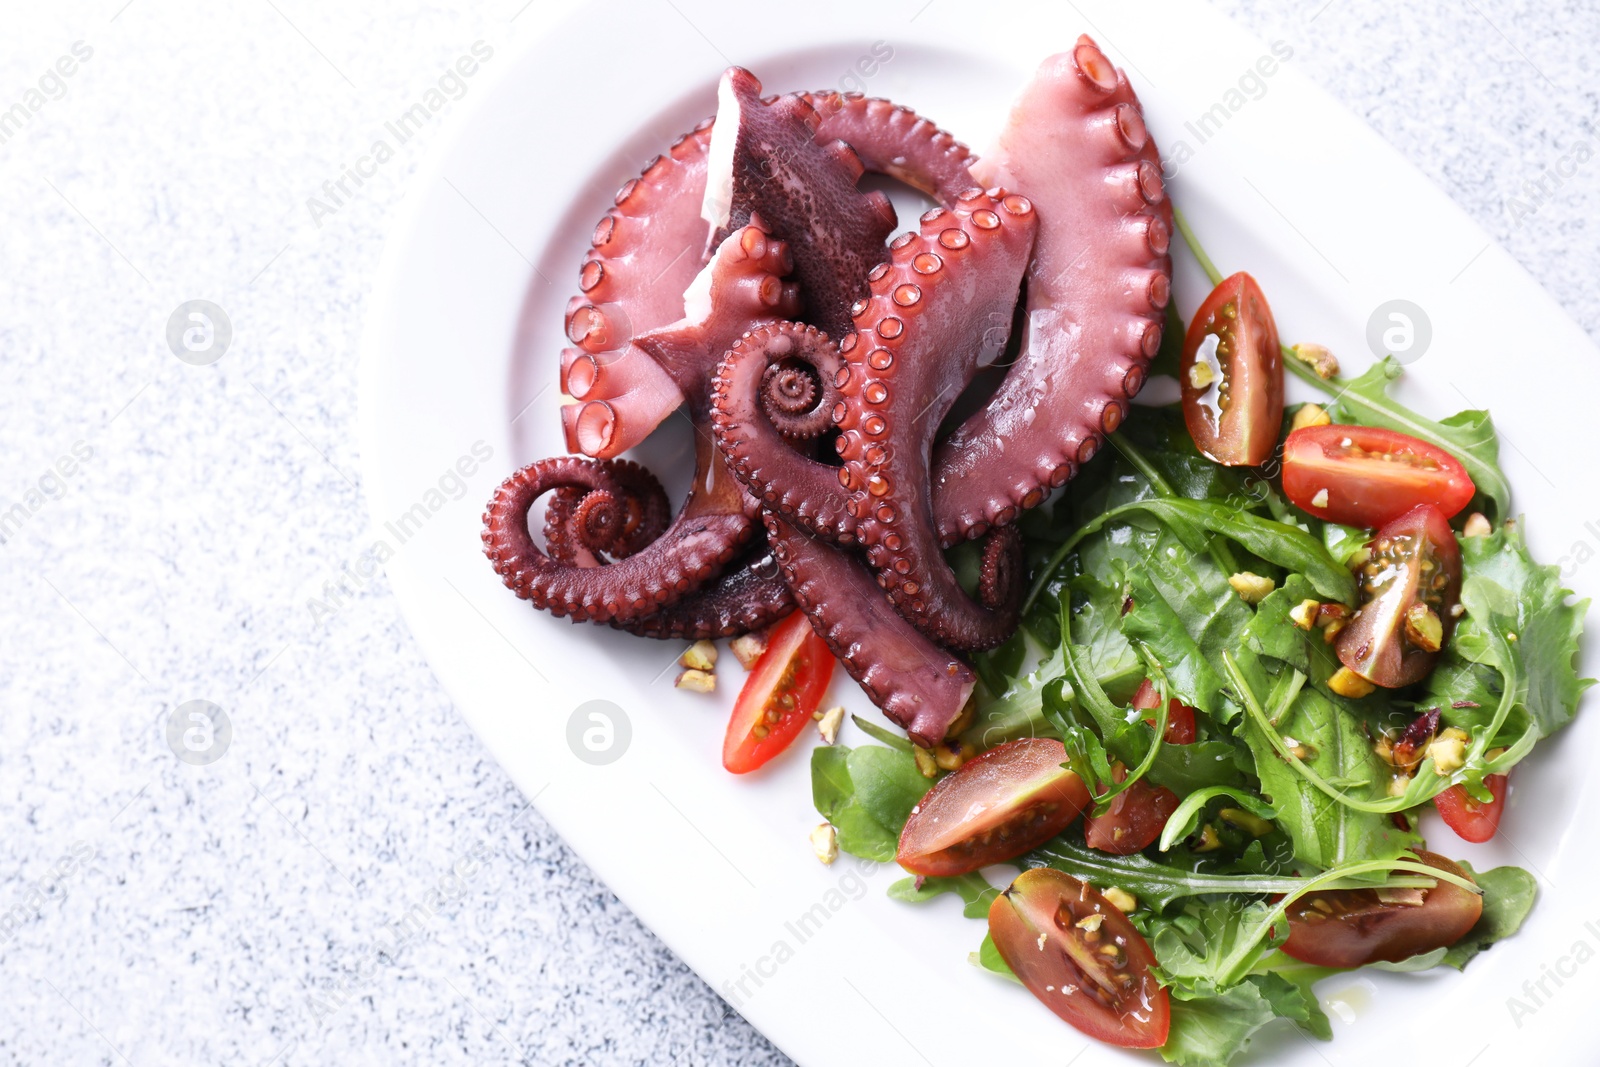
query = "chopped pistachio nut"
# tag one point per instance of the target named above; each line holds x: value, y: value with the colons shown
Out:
x: 747, y: 648
x: 1201, y: 375
x: 700, y: 656
x: 1121, y: 899
x: 825, y: 843
x: 1448, y: 751
x: 1398, y: 783
x: 1477, y: 526
x: 1423, y: 628
x: 1252, y: 588
x: 926, y: 764
x: 1318, y: 358
x: 828, y: 725
x: 1249, y: 822
x: 1308, y: 415
x: 1210, y: 840
x: 1304, y: 614
x: 950, y: 755
x: 697, y: 682
x: 1091, y: 922
x: 1320, y: 500
x: 1347, y: 683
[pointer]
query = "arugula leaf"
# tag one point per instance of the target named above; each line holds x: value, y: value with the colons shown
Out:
x: 1183, y: 821
x: 1159, y: 884
x: 1331, y: 742
x: 1548, y: 626
x: 1508, y: 895
x: 1467, y: 435
x: 867, y: 794
x: 1194, y: 522
x: 1158, y: 624
x: 1290, y: 1000
x: 974, y: 890
x: 887, y: 784
x: 988, y: 957
x: 1210, y: 1031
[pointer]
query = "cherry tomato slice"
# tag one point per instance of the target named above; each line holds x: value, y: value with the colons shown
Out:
x: 1366, y: 476
x: 1352, y: 927
x: 1005, y: 802
x: 1135, y: 819
x: 779, y: 696
x: 1180, y: 716
x: 1471, y: 820
x: 1410, y: 586
x: 1082, y: 957
x: 1232, y: 375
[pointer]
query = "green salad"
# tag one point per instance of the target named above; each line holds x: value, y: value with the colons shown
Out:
x: 1250, y: 805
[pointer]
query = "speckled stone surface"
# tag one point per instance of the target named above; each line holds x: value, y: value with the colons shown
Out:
x: 354, y: 881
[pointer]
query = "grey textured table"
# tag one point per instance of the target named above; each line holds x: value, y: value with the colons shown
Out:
x: 355, y: 881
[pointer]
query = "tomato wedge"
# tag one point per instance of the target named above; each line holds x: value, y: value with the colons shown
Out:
x: 1471, y: 820
x: 779, y: 696
x: 1180, y: 716
x: 1005, y: 802
x: 1366, y: 476
x: 1232, y: 375
x: 1352, y: 927
x: 1410, y: 586
x: 1135, y: 819
x: 1082, y: 957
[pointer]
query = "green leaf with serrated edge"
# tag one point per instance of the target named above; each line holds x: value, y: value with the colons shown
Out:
x: 1534, y: 606
x: 1210, y: 1031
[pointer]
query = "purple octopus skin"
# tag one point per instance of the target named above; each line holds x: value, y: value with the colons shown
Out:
x: 741, y: 286
x: 648, y: 247
x: 917, y: 684
x: 750, y: 594
x: 1076, y: 145
x: 647, y: 251
x: 920, y: 338
x: 766, y: 164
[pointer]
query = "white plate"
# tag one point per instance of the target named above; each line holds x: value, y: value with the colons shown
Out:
x: 1292, y: 188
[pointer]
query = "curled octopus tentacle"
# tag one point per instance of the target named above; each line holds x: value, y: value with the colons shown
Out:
x: 646, y: 251
x: 1077, y: 146
x: 919, y: 685
x: 758, y: 447
x: 750, y: 595
x: 586, y: 527
x: 690, y: 552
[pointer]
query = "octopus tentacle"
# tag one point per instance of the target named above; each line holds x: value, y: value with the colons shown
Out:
x: 742, y: 286
x: 766, y: 163
x: 919, y: 685
x: 687, y: 554
x: 750, y: 595
x: 579, y: 526
x: 801, y: 489
x: 1076, y: 145
x: 941, y: 304
x: 646, y: 250
x: 894, y: 140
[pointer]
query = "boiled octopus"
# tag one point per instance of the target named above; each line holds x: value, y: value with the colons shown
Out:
x: 860, y: 404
